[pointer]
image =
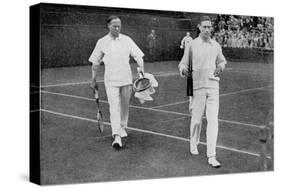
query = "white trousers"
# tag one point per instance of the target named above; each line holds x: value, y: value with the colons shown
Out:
x: 205, y: 100
x: 119, y: 98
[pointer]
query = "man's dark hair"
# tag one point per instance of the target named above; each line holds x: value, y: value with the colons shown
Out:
x: 204, y: 18
x: 112, y: 17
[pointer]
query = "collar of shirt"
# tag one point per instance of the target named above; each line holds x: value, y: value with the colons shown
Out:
x: 112, y: 38
x: 210, y: 41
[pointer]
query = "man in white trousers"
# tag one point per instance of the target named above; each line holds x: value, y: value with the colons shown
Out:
x: 115, y: 49
x: 207, y: 62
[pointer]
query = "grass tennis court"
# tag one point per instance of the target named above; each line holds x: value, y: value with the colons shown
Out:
x: 73, y: 151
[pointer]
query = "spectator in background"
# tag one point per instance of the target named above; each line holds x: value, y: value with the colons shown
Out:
x: 270, y: 41
x: 244, y: 31
x: 247, y: 24
x: 251, y: 40
x: 239, y: 41
x: 266, y: 42
x: 234, y: 40
x: 229, y: 39
x: 245, y: 43
x: 186, y: 40
x: 255, y: 39
x: 221, y: 24
x: 261, y: 41
x: 151, y: 45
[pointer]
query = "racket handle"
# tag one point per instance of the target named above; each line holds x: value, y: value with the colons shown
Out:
x: 96, y: 93
x: 140, y: 72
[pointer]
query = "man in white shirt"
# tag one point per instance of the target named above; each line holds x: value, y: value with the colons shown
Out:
x: 186, y: 40
x: 115, y: 49
x: 207, y: 62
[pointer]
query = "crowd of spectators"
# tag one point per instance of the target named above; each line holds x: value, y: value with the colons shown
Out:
x: 244, y: 31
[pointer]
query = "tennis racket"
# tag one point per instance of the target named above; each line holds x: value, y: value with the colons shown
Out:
x: 142, y: 83
x: 189, y: 89
x: 99, y: 114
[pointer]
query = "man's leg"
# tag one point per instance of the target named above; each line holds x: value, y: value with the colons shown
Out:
x: 113, y: 96
x: 125, y: 95
x: 197, y: 110
x: 212, y: 110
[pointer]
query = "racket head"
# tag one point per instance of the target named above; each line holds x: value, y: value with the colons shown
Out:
x: 141, y: 84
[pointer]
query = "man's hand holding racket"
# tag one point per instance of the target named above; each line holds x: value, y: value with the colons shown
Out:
x: 142, y: 83
x: 182, y: 71
x: 218, y: 70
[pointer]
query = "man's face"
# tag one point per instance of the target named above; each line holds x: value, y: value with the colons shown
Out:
x: 115, y: 27
x: 187, y: 34
x: 205, y: 28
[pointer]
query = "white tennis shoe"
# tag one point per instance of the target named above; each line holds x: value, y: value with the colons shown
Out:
x: 194, y: 150
x: 117, y: 143
x: 123, y: 133
x: 213, y: 162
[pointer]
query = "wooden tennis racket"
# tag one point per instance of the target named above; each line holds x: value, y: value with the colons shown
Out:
x: 142, y: 83
x: 99, y: 114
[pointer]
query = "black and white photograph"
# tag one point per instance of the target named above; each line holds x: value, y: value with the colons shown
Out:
x: 140, y: 93
x: 129, y: 94
x: 122, y: 94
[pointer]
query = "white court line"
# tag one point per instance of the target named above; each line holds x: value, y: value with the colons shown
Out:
x: 235, y: 70
x: 245, y: 90
x: 37, y: 110
x: 161, y: 74
x: 69, y: 84
x: 169, y: 120
x: 155, y: 110
x: 100, y: 137
x: 72, y: 96
x: 65, y: 84
x: 153, y: 133
x: 221, y: 95
x: 87, y: 82
x: 166, y: 74
x: 170, y: 104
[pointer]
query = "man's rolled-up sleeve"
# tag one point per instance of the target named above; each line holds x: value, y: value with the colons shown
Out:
x: 135, y: 51
x: 96, y: 55
x: 220, y: 61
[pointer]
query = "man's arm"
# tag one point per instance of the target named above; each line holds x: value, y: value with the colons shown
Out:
x: 140, y: 63
x: 182, y: 43
x: 220, y: 62
x: 95, y: 58
x: 137, y: 54
x: 183, y: 65
x: 95, y: 69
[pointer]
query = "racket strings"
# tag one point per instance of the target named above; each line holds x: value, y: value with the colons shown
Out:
x: 142, y: 84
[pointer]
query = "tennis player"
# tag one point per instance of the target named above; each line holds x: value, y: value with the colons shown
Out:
x: 186, y: 39
x: 207, y: 62
x: 114, y: 49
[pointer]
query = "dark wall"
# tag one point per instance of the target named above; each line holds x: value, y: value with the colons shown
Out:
x: 69, y: 33
x: 251, y: 55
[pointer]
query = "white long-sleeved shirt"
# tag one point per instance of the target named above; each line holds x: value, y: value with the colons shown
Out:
x: 115, y: 53
x: 206, y: 56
